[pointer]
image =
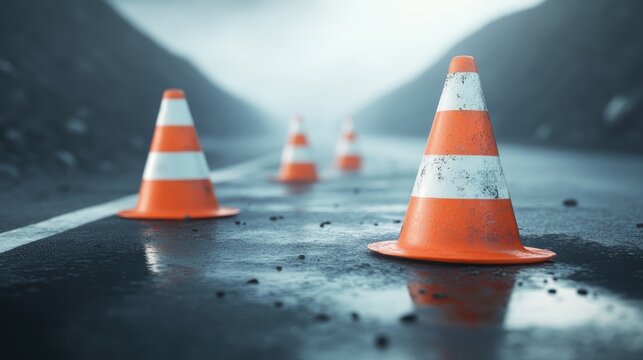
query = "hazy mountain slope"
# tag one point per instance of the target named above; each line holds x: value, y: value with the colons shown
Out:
x: 548, y: 74
x: 81, y: 86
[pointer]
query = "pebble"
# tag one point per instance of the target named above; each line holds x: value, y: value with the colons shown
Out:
x: 273, y: 218
x: 409, y: 318
x: 324, y: 223
x: 381, y: 341
x: 582, y: 291
x: 195, y: 230
x: 397, y: 221
x: 237, y: 222
x: 279, y: 268
x: 252, y: 281
x: 279, y: 304
x: 375, y: 224
x: 220, y: 294
x: 439, y: 295
x: 354, y: 316
x: 639, y: 226
x: 570, y: 202
x: 322, y: 317
x: 551, y: 291
x: 301, y: 257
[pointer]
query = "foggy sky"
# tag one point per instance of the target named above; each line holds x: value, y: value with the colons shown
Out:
x: 321, y: 58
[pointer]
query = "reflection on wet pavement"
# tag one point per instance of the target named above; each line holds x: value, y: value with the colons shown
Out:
x: 291, y: 277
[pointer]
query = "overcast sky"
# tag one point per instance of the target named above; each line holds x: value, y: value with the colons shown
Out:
x: 321, y: 58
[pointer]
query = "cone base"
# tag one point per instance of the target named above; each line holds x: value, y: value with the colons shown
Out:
x: 155, y: 215
x: 528, y: 256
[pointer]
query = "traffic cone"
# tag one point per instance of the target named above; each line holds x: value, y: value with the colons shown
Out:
x: 348, y: 158
x: 297, y: 165
x: 460, y: 210
x: 176, y: 183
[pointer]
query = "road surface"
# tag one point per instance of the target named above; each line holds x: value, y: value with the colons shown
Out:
x: 274, y: 283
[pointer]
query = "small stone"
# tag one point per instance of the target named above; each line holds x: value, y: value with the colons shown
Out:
x: 375, y: 224
x: 551, y: 291
x: 279, y: 304
x: 554, y: 278
x: 220, y: 294
x: 639, y: 226
x: 397, y: 221
x: 570, y: 202
x: 354, y: 316
x: 273, y: 218
x: 252, y: 282
x: 301, y: 257
x: 279, y: 268
x: 519, y: 283
x: 409, y: 318
x: 439, y: 295
x: 322, y: 317
x: 582, y: 291
x: 237, y: 222
x: 381, y: 341
x: 244, y: 223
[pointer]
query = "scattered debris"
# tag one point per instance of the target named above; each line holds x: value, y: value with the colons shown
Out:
x: 439, y: 295
x: 354, y: 316
x: 322, y: 317
x: 279, y: 268
x: 570, y: 202
x: 252, y: 281
x: 409, y: 318
x: 220, y: 294
x: 582, y: 291
x: 381, y: 341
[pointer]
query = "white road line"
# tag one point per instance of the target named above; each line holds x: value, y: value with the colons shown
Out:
x: 13, y: 238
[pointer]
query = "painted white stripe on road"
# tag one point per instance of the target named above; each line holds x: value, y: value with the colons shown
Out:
x: 184, y: 165
x: 296, y: 154
x: 462, y: 91
x: 460, y: 177
x: 56, y: 225
x: 174, y: 112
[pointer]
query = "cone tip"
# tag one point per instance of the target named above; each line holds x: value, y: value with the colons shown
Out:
x: 463, y: 63
x: 173, y: 94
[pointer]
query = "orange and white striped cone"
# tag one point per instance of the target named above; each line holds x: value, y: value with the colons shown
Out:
x: 460, y: 210
x: 176, y: 183
x: 297, y: 165
x: 347, y: 155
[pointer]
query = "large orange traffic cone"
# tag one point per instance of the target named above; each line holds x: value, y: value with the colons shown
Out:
x: 347, y: 156
x: 460, y: 210
x: 176, y: 182
x: 297, y: 165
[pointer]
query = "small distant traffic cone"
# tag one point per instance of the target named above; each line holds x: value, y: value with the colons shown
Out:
x: 297, y: 165
x: 176, y: 183
x: 460, y: 210
x: 348, y: 158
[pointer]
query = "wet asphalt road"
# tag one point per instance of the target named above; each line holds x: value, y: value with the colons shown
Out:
x: 273, y: 283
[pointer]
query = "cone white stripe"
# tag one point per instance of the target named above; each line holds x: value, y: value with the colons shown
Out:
x: 174, y: 112
x: 462, y: 91
x: 184, y: 165
x: 296, y: 154
x: 346, y: 147
x: 460, y: 177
